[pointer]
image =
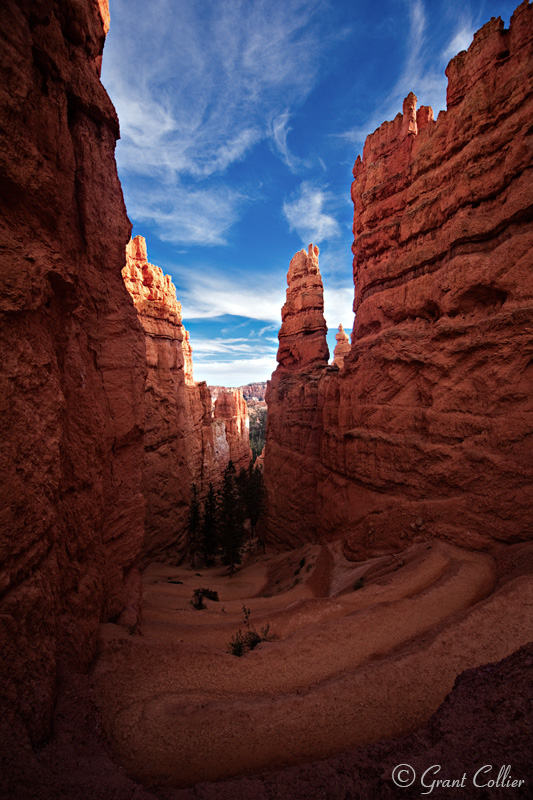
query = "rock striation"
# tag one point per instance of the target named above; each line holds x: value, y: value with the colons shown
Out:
x: 342, y: 348
x: 254, y: 392
x: 426, y: 429
x: 171, y: 452
x: 302, y: 336
x: 231, y: 409
x: 294, y: 424
x: 73, y: 365
x: 186, y: 441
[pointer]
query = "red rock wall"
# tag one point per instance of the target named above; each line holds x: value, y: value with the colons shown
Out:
x: 185, y: 442
x: 231, y: 409
x: 169, y: 428
x: 294, y: 423
x: 427, y: 429
x: 302, y: 336
x: 73, y: 368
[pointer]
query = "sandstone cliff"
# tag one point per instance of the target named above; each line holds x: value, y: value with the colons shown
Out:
x: 186, y: 441
x: 73, y: 366
x: 427, y: 428
x: 254, y: 392
x: 172, y: 452
x: 231, y: 409
x: 294, y: 424
x: 342, y: 348
x: 302, y: 336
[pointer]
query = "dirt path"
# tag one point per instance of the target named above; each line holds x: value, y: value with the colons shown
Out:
x: 346, y: 669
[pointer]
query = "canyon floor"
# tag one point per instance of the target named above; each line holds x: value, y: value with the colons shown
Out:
x: 348, y: 667
x: 347, y: 691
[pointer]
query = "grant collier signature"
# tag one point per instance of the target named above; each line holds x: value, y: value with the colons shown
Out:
x: 404, y: 775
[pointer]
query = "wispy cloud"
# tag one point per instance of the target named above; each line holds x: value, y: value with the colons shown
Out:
x: 191, y: 216
x: 420, y: 74
x: 338, y: 302
x: 306, y: 214
x: 461, y: 40
x: 195, y: 97
x: 236, y: 372
x: 423, y: 70
x: 279, y: 131
x: 205, y: 293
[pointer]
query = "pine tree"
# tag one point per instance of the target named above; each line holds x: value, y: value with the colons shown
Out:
x: 194, y: 524
x: 210, y: 524
x: 231, y: 520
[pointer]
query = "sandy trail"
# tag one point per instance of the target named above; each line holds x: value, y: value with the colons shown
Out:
x: 346, y: 669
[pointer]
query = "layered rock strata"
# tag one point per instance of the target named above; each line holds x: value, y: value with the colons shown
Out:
x: 342, y: 348
x: 427, y: 428
x: 231, y: 409
x: 73, y: 367
x: 186, y: 441
x: 294, y: 423
x: 169, y: 458
x: 302, y: 336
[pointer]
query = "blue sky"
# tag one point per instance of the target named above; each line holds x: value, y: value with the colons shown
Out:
x: 240, y: 123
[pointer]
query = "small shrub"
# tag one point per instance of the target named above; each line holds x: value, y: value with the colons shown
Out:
x: 198, y: 597
x: 210, y: 594
x: 197, y: 601
x: 243, y: 641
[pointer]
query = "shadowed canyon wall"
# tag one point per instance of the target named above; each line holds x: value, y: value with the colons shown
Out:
x: 185, y: 441
x: 427, y: 428
x: 101, y: 418
x: 73, y: 366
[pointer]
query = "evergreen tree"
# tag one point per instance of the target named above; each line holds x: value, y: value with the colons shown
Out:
x: 210, y: 523
x: 194, y: 524
x: 231, y: 520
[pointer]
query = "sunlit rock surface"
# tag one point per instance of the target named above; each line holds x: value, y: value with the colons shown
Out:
x: 426, y: 429
x: 342, y: 348
x: 186, y: 440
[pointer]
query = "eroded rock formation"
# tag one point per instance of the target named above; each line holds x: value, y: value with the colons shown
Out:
x: 426, y: 430
x: 254, y: 392
x: 186, y: 441
x: 294, y: 424
x: 302, y: 336
x: 172, y: 454
x: 232, y: 411
x: 342, y: 348
x: 73, y: 367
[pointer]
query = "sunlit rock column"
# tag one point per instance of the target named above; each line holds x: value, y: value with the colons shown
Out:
x: 294, y: 418
x: 342, y: 348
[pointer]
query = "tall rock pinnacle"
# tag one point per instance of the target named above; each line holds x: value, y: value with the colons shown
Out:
x: 302, y: 337
x: 342, y: 347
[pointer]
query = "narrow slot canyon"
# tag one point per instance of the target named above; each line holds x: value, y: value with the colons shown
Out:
x: 283, y: 589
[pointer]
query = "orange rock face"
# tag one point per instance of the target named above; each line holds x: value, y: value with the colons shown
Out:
x: 171, y: 450
x: 231, y: 409
x: 425, y: 430
x: 73, y: 367
x: 342, y: 348
x: 302, y: 337
x: 294, y: 424
x: 185, y: 441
